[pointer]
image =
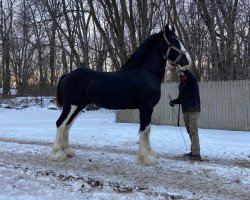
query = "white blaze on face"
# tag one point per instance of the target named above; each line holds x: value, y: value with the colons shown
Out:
x: 186, y: 53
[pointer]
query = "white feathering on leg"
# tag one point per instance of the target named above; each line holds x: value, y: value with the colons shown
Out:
x: 57, y: 152
x: 151, y: 151
x: 144, y: 156
x: 69, y: 152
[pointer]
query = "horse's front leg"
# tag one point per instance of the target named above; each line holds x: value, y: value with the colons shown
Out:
x: 151, y: 151
x: 145, y: 154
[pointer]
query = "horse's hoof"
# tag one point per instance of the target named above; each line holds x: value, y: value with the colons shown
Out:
x: 58, y: 155
x: 148, y: 160
x: 69, y: 152
x: 157, y: 155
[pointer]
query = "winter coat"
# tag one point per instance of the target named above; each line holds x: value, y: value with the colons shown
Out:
x: 189, y: 96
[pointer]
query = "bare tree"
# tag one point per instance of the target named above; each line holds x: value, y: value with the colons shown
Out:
x: 42, y: 39
x: 38, y: 32
x: 6, y: 25
x: 222, y: 15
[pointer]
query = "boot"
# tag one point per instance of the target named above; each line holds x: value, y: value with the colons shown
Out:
x: 187, y: 155
x: 195, y: 157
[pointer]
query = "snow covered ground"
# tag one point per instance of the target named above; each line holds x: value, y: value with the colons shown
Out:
x: 104, y: 166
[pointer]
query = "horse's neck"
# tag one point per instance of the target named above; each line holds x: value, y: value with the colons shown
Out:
x: 156, y: 64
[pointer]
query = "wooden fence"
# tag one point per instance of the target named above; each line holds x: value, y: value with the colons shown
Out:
x: 224, y: 105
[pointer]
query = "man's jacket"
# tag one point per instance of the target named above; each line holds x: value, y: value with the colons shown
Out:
x: 189, y: 96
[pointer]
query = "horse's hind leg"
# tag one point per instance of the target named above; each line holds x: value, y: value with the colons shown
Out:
x: 61, y: 142
x: 69, y: 152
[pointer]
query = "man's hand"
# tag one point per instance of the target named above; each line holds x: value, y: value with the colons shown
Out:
x: 171, y: 103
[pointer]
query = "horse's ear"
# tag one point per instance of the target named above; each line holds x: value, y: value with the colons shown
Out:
x: 173, y: 30
x: 167, y: 30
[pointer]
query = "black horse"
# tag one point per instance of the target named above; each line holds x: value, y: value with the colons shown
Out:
x: 135, y: 86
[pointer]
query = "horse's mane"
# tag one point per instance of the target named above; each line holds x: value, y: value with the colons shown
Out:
x: 137, y: 58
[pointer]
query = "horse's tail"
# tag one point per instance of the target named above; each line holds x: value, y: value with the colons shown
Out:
x: 58, y: 92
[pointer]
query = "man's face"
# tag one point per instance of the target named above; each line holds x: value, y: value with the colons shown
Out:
x: 182, y: 76
x: 181, y: 73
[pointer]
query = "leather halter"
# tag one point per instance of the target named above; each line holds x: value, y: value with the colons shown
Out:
x: 178, y: 58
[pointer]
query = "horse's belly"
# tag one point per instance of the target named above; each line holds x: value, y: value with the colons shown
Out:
x: 113, y: 93
x: 114, y: 99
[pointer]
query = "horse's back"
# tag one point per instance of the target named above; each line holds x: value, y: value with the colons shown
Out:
x: 101, y: 88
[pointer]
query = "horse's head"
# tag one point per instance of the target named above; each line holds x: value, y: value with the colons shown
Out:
x: 176, y: 52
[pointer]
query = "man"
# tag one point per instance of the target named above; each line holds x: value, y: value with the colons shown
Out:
x: 189, y: 98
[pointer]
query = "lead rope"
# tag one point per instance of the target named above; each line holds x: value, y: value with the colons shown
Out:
x: 181, y: 128
x: 178, y: 122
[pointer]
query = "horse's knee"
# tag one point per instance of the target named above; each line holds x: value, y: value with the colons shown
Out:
x: 65, y: 115
x: 59, y: 123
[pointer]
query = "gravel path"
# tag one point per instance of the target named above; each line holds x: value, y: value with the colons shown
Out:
x: 112, y: 171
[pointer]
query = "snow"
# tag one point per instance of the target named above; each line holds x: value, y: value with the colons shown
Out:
x: 104, y: 166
